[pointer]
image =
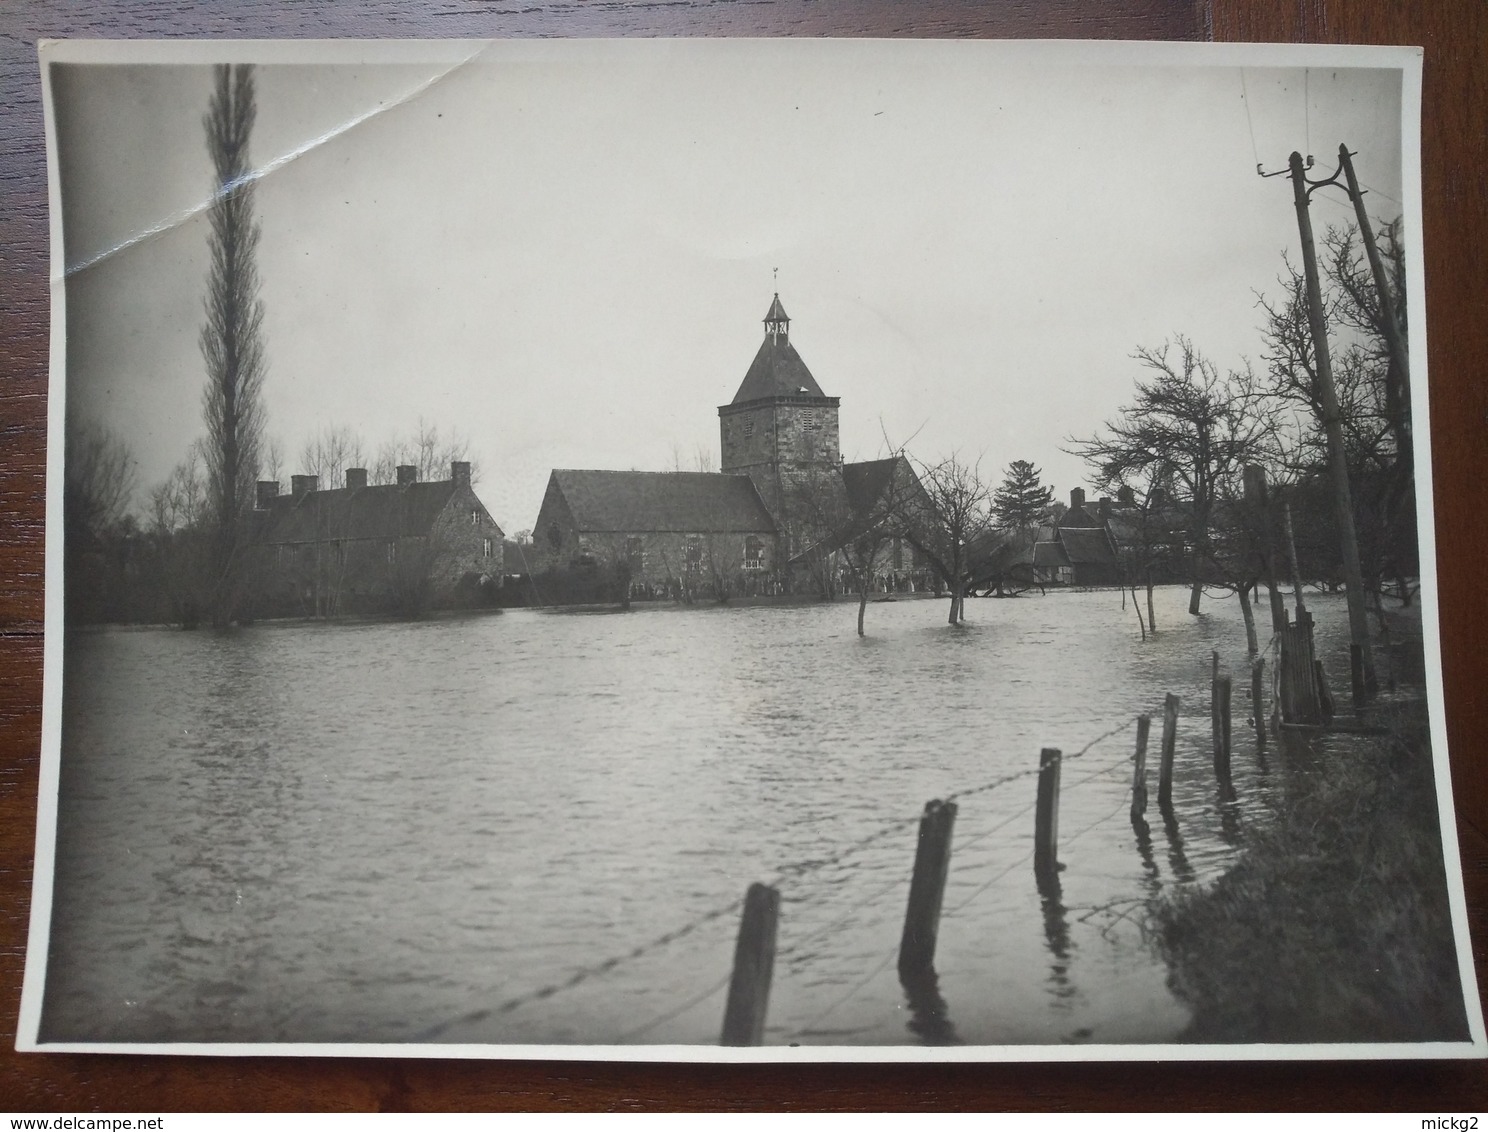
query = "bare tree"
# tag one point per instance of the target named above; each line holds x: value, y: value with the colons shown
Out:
x: 1190, y: 431
x: 232, y: 336
x: 100, y: 477
x: 427, y: 450
x: 330, y: 452
x: 941, y: 520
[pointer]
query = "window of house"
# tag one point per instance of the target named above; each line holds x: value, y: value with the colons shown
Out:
x: 754, y: 553
x: 392, y: 551
x: 555, y: 536
x: 694, y: 549
x: 635, y: 554
x: 475, y: 516
x: 488, y: 548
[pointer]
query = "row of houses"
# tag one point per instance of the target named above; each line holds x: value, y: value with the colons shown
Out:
x: 770, y: 521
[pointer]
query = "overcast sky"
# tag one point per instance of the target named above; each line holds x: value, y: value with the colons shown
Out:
x: 564, y: 250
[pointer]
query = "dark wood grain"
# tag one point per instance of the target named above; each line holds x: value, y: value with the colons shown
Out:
x: 1456, y: 213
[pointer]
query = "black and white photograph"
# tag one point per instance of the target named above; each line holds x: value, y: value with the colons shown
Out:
x: 742, y: 550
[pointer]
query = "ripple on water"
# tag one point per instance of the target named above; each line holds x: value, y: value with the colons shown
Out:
x: 360, y: 832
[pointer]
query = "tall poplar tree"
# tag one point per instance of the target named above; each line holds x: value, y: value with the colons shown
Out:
x: 232, y: 337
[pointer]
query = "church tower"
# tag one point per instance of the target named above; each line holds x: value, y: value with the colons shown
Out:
x: 780, y: 429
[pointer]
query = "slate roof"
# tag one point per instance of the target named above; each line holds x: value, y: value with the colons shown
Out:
x: 867, y: 481
x: 682, y: 502
x: 777, y: 371
x: 1047, y: 554
x: 1086, y: 545
x: 385, y: 511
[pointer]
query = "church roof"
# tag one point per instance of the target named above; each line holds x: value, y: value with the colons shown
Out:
x: 683, y: 502
x: 867, y: 481
x: 777, y: 370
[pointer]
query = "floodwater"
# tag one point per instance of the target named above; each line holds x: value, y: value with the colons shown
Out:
x: 412, y: 832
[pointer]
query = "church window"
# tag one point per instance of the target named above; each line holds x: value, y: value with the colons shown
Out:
x: 694, y: 550
x: 748, y: 429
x: 392, y: 551
x: 809, y: 421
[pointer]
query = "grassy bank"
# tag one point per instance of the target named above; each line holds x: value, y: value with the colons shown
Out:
x: 1334, y: 925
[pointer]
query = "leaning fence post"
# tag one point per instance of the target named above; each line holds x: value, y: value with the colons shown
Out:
x: 1139, y: 769
x: 1169, y: 742
x: 754, y: 963
x: 1257, y: 698
x: 1222, y: 692
x: 927, y: 889
x: 1046, y: 815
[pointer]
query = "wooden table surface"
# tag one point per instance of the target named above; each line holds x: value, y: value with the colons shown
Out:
x: 1455, y: 173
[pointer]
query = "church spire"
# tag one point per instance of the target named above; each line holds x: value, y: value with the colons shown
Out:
x: 777, y: 322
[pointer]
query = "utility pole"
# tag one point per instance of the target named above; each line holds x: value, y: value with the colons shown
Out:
x: 1353, y: 574
x: 1399, y: 361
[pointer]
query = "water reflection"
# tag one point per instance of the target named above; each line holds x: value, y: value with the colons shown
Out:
x: 1183, y: 872
x: 929, y: 1016
x: 332, y: 833
x: 1056, y: 934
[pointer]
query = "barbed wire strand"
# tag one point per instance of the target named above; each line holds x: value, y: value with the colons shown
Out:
x: 582, y: 975
x: 794, y: 871
x: 811, y: 1026
x: 696, y: 1000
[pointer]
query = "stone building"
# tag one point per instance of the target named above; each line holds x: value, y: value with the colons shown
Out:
x: 400, y: 547
x: 698, y: 531
x: 769, y: 521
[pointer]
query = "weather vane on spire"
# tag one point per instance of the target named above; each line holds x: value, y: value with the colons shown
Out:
x: 775, y: 276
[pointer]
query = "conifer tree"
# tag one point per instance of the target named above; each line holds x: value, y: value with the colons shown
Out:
x: 1022, y: 500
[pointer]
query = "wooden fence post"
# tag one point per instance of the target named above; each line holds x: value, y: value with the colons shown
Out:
x: 1222, y: 694
x: 754, y: 963
x: 1214, y: 702
x: 1356, y: 674
x: 1258, y: 698
x: 1046, y: 815
x: 1165, y: 767
x: 927, y: 889
x: 1139, y: 769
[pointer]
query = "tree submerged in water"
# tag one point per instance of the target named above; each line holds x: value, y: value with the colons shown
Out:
x: 232, y: 340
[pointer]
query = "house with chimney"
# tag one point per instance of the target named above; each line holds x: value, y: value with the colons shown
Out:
x: 403, y: 547
x: 1080, y: 548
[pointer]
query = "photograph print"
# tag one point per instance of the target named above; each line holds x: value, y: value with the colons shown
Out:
x: 742, y: 550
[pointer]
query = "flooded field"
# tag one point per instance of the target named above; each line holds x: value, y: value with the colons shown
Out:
x: 405, y: 832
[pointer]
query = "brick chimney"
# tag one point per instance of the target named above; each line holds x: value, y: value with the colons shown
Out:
x: 460, y: 472
x: 1077, y: 498
x: 407, y: 474
x: 302, y: 485
x: 1125, y: 494
x: 267, y: 490
x: 1105, y: 509
x: 356, y: 477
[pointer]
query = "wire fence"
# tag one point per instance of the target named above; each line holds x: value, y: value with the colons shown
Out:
x: 796, y: 871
